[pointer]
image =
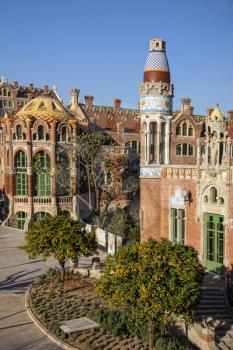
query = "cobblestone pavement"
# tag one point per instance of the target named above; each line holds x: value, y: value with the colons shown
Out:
x: 17, y: 272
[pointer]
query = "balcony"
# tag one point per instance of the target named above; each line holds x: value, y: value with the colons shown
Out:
x: 65, y: 199
x: 42, y: 200
x: 21, y: 199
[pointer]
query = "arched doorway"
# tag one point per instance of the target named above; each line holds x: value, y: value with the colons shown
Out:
x: 214, y: 233
x: 20, y: 219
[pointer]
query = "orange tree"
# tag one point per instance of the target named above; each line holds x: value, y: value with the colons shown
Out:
x: 156, y: 280
x: 60, y: 237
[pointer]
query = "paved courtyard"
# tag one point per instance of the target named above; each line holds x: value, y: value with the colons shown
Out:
x: 17, y: 272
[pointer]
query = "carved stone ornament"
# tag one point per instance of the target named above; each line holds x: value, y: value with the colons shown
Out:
x: 177, y: 199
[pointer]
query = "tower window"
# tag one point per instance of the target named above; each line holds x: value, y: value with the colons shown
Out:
x: 63, y: 133
x: 213, y: 195
x: 40, y: 132
x: 19, y: 134
x: 184, y: 129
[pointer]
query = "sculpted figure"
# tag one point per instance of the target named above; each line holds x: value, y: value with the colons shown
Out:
x: 214, y: 149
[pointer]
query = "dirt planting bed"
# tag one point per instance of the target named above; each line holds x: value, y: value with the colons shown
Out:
x: 53, y: 302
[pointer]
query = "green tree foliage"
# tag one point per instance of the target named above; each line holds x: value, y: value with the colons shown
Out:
x: 60, y: 237
x: 121, y: 222
x: 156, y: 280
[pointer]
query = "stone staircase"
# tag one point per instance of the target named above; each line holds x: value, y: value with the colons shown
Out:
x: 213, y: 308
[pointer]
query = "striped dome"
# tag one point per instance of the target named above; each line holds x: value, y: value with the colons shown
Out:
x: 157, y: 61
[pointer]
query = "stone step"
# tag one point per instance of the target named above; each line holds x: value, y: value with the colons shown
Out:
x: 211, y: 302
x: 213, y: 299
x: 212, y: 307
x: 212, y: 295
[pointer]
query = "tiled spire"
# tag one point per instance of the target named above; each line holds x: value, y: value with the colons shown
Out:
x: 157, y: 68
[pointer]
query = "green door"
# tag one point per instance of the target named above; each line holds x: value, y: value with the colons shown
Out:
x: 214, y: 242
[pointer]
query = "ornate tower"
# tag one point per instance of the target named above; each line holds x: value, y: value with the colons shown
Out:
x: 156, y: 95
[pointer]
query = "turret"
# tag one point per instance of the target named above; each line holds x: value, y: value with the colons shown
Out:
x: 156, y: 94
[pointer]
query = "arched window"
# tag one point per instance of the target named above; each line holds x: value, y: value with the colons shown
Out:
x: 178, y: 130
x: 190, y: 133
x: 19, y: 134
x: 63, y: 134
x: 21, y: 183
x: 213, y: 195
x: 21, y: 218
x: 40, y: 132
x: 185, y: 128
x: 221, y: 200
x: 41, y: 165
x: 184, y: 149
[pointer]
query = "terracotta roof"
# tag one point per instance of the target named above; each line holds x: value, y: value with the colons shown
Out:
x: 111, y: 118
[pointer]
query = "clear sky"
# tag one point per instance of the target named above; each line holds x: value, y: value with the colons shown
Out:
x: 100, y: 46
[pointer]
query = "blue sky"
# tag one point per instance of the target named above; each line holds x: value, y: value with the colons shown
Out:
x: 100, y: 46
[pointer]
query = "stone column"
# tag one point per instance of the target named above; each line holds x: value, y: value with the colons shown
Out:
x: 148, y: 143
x: 73, y: 159
x: 29, y: 159
x: 53, y: 167
x: 158, y: 142
x: 143, y: 142
x: 198, y: 152
x: 167, y: 141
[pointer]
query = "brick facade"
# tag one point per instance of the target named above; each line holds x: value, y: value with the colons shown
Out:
x: 186, y: 172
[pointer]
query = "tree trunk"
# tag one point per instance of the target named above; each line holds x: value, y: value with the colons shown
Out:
x: 150, y: 335
x: 62, y: 270
x: 89, y: 194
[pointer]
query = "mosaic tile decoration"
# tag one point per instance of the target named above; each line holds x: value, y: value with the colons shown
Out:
x: 157, y: 60
x: 150, y: 171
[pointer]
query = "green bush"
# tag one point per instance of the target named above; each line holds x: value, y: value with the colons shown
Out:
x: 123, y: 323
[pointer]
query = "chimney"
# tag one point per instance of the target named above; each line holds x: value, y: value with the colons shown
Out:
x: 186, y: 107
x: 120, y: 127
x: 30, y: 85
x: 209, y: 111
x: 74, y: 99
x: 46, y: 88
x: 117, y: 103
x: 89, y: 100
x: 230, y: 114
x: 15, y: 83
